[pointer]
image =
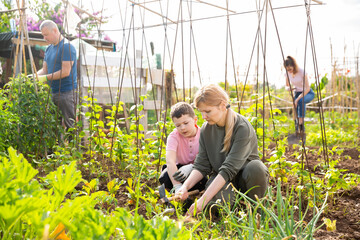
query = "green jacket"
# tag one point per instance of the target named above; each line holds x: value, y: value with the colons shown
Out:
x: 244, y: 148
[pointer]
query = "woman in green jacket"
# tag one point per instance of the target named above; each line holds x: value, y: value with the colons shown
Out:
x: 228, y: 152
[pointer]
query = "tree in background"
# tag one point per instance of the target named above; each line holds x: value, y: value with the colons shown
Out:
x: 41, y: 10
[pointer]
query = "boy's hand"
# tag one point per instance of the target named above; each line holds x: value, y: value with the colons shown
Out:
x: 182, y: 193
x: 177, y: 187
x: 182, y: 174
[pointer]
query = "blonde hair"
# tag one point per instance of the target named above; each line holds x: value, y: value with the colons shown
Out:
x: 214, y: 95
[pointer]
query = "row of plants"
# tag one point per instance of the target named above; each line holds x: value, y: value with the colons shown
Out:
x: 33, y: 207
x: 62, y: 205
x: 30, y: 124
x: 75, y: 207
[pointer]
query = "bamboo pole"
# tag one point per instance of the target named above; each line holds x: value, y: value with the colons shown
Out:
x: 347, y: 102
x: 352, y: 82
x: 213, y: 5
x: 151, y: 11
x: 342, y: 89
x: 333, y: 82
x: 358, y: 92
x: 16, y: 52
x: 24, y: 56
x: 11, y: 10
x: 335, y: 88
x: 83, y: 11
x: 25, y: 32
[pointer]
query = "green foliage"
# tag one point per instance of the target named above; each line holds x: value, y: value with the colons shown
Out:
x: 323, y: 82
x: 5, y: 17
x: 273, y: 217
x: 237, y: 91
x: 27, y: 206
x: 28, y: 117
x: 316, y: 188
x: 107, y: 140
x: 136, y: 227
x: 9, y: 123
x: 334, y: 181
x: 278, y: 166
x: 333, y: 136
x: 24, y: 203
x: 62, y: 183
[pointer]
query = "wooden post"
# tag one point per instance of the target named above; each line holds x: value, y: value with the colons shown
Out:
x: 347, y: 102
x: 342, y: 89
x: 333, y: 84
x: 358, y: 92
x: 168, y: 88
x: 8, y: 69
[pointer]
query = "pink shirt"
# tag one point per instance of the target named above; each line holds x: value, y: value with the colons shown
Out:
x: 297, y: 80
x: 186, y: 148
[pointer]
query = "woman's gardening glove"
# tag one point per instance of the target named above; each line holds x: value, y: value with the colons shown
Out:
x: 182, y: 174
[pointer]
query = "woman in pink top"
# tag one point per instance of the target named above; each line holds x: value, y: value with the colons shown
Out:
x: 182, y: 148
x: 295, y: 76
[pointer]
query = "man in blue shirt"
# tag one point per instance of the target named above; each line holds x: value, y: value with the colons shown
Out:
x: 59, y: 71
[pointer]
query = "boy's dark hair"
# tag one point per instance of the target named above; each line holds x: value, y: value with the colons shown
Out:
x: 182, y: 108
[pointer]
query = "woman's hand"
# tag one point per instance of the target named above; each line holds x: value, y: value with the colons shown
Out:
x: 182, y: 193
x: 200, y: 204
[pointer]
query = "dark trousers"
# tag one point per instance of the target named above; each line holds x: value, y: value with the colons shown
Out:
x: 165, y: 179
x: 254, y: 176
x: 65, y: 101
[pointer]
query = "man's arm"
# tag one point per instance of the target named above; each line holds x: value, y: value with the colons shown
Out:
x: 63, y: 72
x: 43, y: 70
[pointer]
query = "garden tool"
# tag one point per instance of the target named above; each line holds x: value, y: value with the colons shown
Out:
x: 293, y: 137
x: 163, y: 198
x: 170, y: 208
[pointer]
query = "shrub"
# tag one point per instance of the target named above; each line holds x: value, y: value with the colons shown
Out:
x: 28, y: 117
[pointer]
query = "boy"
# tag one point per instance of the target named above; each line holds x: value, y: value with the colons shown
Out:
x: 182, y: 148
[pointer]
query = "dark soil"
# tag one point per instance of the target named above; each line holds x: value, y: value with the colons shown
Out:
x: 344, y: 208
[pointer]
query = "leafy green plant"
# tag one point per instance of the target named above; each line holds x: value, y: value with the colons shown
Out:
x: 279, y: 167
x: 333, y: 181
x: 25, y: 204
x: 30, y: 119
x: 29, y: 207
x: 5, y: 17
x: 323, y: 82
x: 136, y: 227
